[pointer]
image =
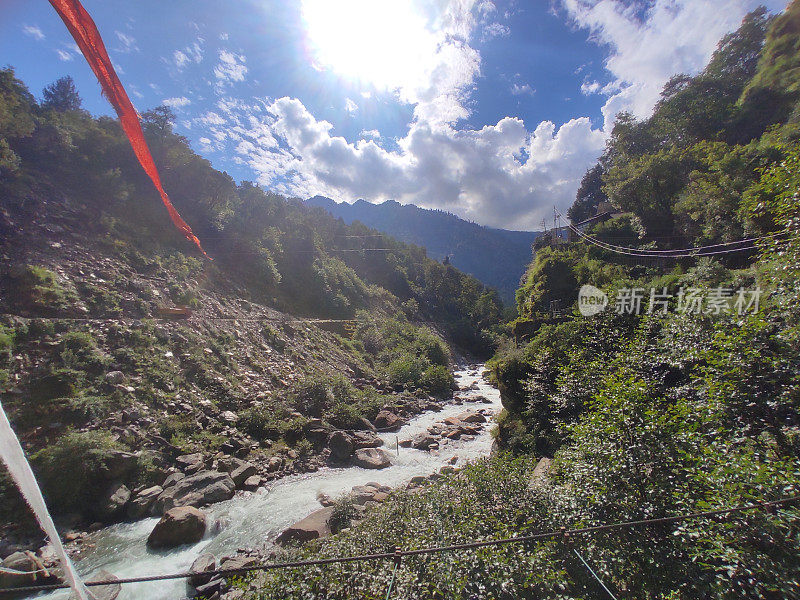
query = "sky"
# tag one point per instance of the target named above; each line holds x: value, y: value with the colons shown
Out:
x: 490, y: 109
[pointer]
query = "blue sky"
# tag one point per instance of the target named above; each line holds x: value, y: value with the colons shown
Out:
x: 492, y: 110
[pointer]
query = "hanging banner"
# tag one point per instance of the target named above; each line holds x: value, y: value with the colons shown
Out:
x: 83, y: 29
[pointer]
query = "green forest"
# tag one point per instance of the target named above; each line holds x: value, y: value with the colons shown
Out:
x: 647, y: 415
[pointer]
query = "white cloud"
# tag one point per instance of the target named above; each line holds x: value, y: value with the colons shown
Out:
x: 646, y: 49
x: 519, y: 90
x: 501, y: 175
x: 33, y: 31
x: 128, y: 43
x: 223, y: 36
x: 590, y: 87
x: 494, y: 30
x: 63, y: 55
x: 370, y: 133
x: 350, y: 106
x: 192, y: 53
x: 230, y: 68
x: 178, y: 102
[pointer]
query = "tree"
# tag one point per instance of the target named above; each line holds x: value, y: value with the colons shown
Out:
x: 62, y: 95
x: 158, y: 121
x: 589, y: 195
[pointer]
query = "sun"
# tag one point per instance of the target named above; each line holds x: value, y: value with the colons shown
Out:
x: 381, y: 43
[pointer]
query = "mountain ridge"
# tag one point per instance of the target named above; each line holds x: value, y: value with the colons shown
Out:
x: 497, y: 257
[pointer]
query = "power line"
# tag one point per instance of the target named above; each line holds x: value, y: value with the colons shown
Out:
x: 709, y: 250
x: 698, y: 252
x: 562, y: 533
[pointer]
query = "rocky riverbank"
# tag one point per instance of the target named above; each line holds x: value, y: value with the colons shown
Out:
x: 201, y: 479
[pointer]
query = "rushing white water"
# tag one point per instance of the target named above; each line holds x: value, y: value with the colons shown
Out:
x: 20, y: 469
x: 255, y: 519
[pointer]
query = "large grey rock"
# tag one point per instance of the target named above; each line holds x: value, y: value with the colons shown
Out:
x: 388, y: 421
x: 371, y: 458
x: 115, y: 500
x: 539, y: 472
x: 190, y: 463
x: 365, y: 439
x: 252, y: 483
x: 200, y: 489
x: 313, y: 527
x: 471, y: 417
x: 241, y: 473
x: 424, y: 441
x: 179, y: 526
x: 115, y: 377
x: 341, y: 446
x: 140, y: 506
x: 204, y: 562
x: 22, y: 561
x: 23, y: 568
x: 238, y: 562
x: 172, y: 479
x: 229, y: 416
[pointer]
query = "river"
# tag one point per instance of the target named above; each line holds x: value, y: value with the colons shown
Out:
x: 255, y: 519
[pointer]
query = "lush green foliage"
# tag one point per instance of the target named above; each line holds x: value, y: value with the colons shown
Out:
x: 71, y: 469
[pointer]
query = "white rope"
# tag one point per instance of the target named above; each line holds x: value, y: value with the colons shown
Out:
x: 14, y: 458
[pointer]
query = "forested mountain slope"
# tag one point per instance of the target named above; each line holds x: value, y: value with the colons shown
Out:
x: 497, y: 257
x: 117, y: 336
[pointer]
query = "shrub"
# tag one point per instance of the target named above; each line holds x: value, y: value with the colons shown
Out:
x: 177, y: 427
x: 344, y: 511
x: 345, y: 416
x: 38, y: 288
x: 70, y: 469
x: 407, y: 370
x: 263, y: 423
x: 313, y: 396
x: 437, y: 380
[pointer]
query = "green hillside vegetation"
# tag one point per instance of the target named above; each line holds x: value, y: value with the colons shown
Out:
x: 90, y: 368
x: 646, y: 415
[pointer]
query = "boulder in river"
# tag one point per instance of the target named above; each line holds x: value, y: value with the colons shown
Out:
x: 471, y: 417
x: 388, y: 421
x: 204, y: 562
x: 313, y: 527
x: 424, y: 441
x: 371, y: 458
x: 242, y: 472
x: 365, y: 439
x: 180, y: 525
x: 199, y: 489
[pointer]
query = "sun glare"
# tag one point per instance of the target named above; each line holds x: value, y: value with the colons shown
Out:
x: 383, y: 43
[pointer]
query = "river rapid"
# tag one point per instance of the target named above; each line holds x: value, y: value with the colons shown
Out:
x: 253, y: 520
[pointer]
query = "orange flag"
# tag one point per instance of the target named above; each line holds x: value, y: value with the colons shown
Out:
x: 83, y: 29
